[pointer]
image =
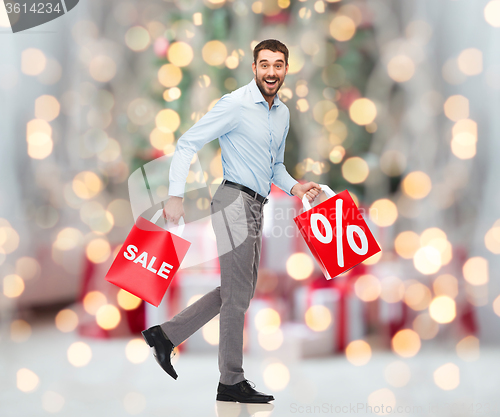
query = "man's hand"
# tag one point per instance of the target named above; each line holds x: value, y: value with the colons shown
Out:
x: 310, y: 189
x: 173, y: 209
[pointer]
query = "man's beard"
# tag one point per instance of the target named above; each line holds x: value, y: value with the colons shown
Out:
x: 262, y: 85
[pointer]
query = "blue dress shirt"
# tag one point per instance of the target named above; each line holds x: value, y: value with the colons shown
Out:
x: 252, y: 139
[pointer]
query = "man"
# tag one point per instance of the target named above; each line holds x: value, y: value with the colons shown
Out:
x: 251, y: 124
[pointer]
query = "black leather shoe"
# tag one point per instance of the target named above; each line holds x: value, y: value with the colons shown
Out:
x: 241, y: 392
x: 163, y: 347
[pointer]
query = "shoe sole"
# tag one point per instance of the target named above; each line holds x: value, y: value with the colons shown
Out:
x: 149, y: 340
x: 227, y: 398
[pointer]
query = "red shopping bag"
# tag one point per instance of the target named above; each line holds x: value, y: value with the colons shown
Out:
x: 336, y: 233
x: 148, y: 260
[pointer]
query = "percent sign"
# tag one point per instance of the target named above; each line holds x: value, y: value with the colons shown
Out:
x: 328, y: 236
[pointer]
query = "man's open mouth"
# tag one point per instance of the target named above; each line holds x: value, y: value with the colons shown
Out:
x: 271, y: 83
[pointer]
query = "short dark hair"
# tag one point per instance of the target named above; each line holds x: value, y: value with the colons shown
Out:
x: 273, y: 45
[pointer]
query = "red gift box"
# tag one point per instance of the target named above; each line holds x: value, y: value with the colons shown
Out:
x: 148, y: 260
x: 348, y: 311
x: 336, y: 233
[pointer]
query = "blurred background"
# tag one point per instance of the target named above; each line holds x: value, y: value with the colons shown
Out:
x: 397, y: 102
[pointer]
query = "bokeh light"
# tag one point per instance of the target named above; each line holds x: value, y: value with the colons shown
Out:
x: 87, y: 184
x: 318, y: 318
x: 108, y: 316
x: 27, y: 380
x: 342, y: 28
x: 355, y: 170
x: 67, y: 320
x: 382, y: 397
x: 13, y: 286
x: 276, y: 376
x: 68, y: 238
x: 406, y: 244
x: 169, y: 75
x: 417, y: 295
x: 363, y: 111
x: 470, y: 61
x: 456, y: 108
x: 447, y: 376
x: 442, y: 309
x: 397, y: 374
x: 417, y: 185
x: 33, y: 61
x: 425, y: 326
x: 137, y: 38
x: 299, y: 266
x: 52, y: 402
x: 392, y: 289
x: 9, y: 239
x: 136, y: 350
x: 475, y: 271
x: 180, y: 54
x: 127, y: 301
x: 270, y: 338
x: 27, y: 267
x: 140, y: 111
x: 358, y: 352
x: 468, y: 349
x: 40, y: 145
x: 79, y: 354
x: 367, y: 287
x: 401, y: 68
x: 20, y: 331
x: 406, y: 343
x: 214, y: 53
x: 445, y: 284
x: 102, y: 68
x: 492, y: 13
x: 383, y: 212
x: 98, y: 250
x: 427, y: 260
x: 210, y: 332
x: 168, y: 120
x: 94, y: 300
x: 267, y: 318
x: 47, y: 108
x: 463, y: 145
x: 492, y: 239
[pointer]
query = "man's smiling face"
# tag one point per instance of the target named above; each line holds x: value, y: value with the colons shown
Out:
x: 269, y: 72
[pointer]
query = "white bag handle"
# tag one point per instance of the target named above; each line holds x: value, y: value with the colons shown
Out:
x: 328, y: 191
x: 180, y: 228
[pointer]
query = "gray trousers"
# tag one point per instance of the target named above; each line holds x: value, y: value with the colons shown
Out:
x: 237, y: 222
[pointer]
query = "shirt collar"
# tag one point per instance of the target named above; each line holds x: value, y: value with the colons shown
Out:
x: 257, y: 95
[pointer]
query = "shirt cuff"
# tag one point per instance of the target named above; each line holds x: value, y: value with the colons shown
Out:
x: 290, y: 193
x: 176, y: 189
x: 289, y: 185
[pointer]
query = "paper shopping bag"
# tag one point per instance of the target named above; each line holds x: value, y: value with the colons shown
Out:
x: 148, y: 260
x: 336, y: 233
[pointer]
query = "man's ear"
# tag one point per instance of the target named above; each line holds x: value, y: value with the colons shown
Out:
x: 254, y: 68
x: 286, y: 69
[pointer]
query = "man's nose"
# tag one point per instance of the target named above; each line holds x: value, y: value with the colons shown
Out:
x: 271, y: 70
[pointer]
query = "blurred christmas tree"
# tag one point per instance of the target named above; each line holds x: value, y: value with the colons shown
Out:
x: 205, y: 51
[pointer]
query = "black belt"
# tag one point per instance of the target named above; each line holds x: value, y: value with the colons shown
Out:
x: 249, y: 191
